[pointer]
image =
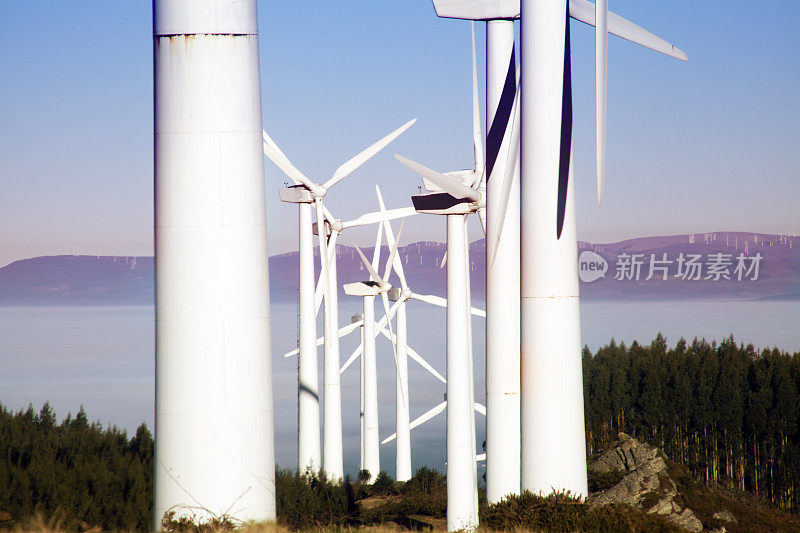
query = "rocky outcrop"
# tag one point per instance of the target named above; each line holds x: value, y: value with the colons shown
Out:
x: 646, y: 483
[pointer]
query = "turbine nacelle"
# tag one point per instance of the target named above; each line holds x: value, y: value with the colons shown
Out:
x: 337, y: 226
x: 364, y: 288
x: 398, y: 293
x: 466, y: 177
x: 296, y: 194
x: 441, y: 203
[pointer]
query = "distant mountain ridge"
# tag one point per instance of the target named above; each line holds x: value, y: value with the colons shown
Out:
x: 695, y: 266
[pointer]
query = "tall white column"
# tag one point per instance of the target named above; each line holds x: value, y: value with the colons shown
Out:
x: 308, y: 445
x: 461, y: 470
x: 553, y: 440
x: 470, y: 362
x: 214, y: 422
x: 502, y: 275
x: 361, y: 379
x: 332, y: 406
x: 372, y: 442
x: 402, y: 423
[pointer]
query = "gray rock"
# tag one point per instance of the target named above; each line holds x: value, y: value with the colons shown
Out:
x: 628, y: 454
x: 647, y: 479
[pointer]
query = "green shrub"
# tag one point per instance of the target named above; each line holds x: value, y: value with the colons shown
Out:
x: 426, y: 481
x: 383, y: 485
x: 310, y: 500
x: 564, y: 512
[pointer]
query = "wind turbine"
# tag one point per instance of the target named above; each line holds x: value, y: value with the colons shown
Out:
x: 368, y: 290
x: 304, y: 193
x: 456, y: 195
x: 358, y: 321
x: 552, y: 385
x: 499, y: 13
x: 400, y: 295
x: 502, y: 255
x: 213, y: 409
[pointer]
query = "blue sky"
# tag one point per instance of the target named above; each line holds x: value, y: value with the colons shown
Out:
x: 699, y: 146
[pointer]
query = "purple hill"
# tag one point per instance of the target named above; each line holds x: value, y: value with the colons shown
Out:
x: 714, y: 265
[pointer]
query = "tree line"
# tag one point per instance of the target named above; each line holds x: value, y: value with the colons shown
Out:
x: 83, y: 473
x: 728, y: 412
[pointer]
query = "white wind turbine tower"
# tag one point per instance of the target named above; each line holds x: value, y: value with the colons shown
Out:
x: 304, y: 193
x: 552, y: 385
x: 461, y: 195
x: 213, y: 412
x: 502, y: 235
x: 402, y: 295
x: 381, y: 285
x: 368, y: 290
x: 502, y: 255
x: 357, y: 323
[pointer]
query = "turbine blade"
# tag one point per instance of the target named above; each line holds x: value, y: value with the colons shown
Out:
x: 376, y: 252
x: 380, y: 198
x: 477, y: 138
x: 358, y: 160
x: 398, y: 263
x: 271, y: 144
x: 328, y: 215
x: 380, y: 216
x: 384, y: 319
x: 318, y: 293
x: 332, y: 248
x: 323, y: 248
x: 389, y: 262
x: 442, y: 302
x: 415, y: 356
x: 580, y: 10
x: 349, y: 328
x: 424, y: 364
x: 350, y: 360
x: 498, y: 130
x: 320, y: 342
x: 430, y: 298
x: 508, y: 177
x: 280, y: 160
x: 420, y: 420
x: 601, y: 84
x: 372, y: 272
x: 477, y: 312
x: 447, y: 183
x: 385, y: 300
x: 293, y: 352
x: 428, y: 415
x: 565, y: 155
x: 584, y: 11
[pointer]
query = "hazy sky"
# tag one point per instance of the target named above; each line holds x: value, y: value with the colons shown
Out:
x: 707, y: 145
